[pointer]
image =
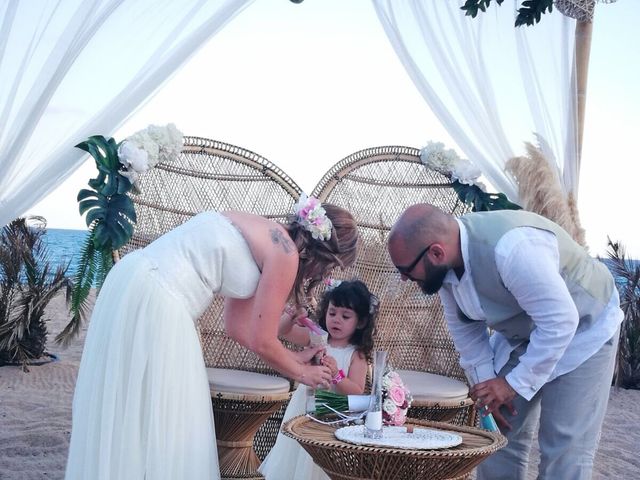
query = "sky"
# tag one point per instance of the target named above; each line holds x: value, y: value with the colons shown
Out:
x: 305, y: 85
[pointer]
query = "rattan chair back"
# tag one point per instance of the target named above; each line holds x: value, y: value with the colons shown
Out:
x: 376, y: 185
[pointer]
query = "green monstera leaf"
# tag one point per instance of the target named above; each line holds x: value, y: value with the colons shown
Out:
x: 482, y: 201
x: 105, y: 153
x: 112, y: 218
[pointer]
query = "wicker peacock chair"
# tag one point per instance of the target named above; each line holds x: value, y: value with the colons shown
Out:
x: 211, y: 175
x: 376, y: 185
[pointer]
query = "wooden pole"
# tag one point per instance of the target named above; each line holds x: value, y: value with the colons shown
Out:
x: 583, y: 48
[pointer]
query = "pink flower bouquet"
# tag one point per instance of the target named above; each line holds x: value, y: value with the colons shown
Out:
x: 396, y: 399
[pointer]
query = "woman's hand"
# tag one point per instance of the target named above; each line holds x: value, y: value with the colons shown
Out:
x: 316, y: 376
x: 293, y: 313
x: 329, y: 361
x: 306, y: 355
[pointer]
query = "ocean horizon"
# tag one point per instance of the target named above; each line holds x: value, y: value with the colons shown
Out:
x: 65, y: 245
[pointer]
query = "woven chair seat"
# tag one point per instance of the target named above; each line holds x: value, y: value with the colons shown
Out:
x: 224, y: 380
x: 429, y: 387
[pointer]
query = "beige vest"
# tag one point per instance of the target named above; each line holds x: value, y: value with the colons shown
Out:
x: 589, y: 281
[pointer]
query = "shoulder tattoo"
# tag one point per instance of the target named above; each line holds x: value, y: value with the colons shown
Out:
x: 278, y: 238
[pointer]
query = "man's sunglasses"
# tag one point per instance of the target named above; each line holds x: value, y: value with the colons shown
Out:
x: 406, y: 271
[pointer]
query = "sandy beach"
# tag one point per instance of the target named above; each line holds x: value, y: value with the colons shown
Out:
x: 35, y: 417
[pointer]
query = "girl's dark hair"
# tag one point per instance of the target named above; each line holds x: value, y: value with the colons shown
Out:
x: 318, y: 257
x: 356, y: 296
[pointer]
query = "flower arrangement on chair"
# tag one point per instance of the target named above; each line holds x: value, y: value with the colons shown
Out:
x: 110, y: 214
x: 464, y: 178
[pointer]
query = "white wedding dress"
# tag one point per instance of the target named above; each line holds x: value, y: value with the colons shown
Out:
x: 287, y: 460
x: 141, y: 408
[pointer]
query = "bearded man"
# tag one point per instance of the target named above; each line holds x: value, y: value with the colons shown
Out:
x: 535, y: 320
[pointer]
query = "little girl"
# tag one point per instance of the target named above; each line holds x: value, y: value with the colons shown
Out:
x: 347, y: 312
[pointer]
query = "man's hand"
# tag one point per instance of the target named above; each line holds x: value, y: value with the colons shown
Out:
x: 491, y: 395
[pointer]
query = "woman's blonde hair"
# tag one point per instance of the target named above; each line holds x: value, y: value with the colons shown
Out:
x: 318, y: 257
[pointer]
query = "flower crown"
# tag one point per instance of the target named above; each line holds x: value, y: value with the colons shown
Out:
x: 312, y: 217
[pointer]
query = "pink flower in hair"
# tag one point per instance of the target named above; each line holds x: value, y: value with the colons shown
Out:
x: 311, y: 215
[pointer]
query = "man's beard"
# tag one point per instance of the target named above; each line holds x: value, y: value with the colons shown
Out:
x: 434, y: 281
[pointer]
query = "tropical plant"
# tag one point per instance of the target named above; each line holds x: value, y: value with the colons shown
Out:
x: 529, y: 13
x: 480, y: 200
x: 627, y: 275
x: 110, y: 215
x: 464, y: 178
x: 27, y: 284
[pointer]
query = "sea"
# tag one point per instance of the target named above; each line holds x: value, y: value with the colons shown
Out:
x: 64, y: 247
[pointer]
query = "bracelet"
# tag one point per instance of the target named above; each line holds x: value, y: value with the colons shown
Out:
x: 338, y: 378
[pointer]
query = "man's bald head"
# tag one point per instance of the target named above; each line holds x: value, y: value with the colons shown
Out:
x: 420, y: 224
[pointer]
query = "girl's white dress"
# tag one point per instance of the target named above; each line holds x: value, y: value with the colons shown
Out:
x: 287, y: 460
x: 141, y: 408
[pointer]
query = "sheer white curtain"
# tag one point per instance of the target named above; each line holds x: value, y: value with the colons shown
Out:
x: 493, y: 86
x: 74, y: 68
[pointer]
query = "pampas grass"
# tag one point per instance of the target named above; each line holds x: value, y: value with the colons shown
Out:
x: 540, y: 191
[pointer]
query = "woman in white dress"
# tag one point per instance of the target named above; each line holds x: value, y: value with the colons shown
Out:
x: 141, y: 408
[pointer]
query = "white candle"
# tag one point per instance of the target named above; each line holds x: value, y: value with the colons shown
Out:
x: 374, y: 420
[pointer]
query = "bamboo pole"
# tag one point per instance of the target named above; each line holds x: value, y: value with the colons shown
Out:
x: 582, y: 49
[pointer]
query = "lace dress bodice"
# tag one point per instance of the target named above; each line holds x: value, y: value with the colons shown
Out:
x: 202, y: 257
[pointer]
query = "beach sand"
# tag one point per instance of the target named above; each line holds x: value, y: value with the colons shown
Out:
x: 35, y: 417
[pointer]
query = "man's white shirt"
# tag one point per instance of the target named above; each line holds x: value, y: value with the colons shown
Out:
x: 527, y: 260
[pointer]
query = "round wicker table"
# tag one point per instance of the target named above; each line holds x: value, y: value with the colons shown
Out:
x: 342, y: 461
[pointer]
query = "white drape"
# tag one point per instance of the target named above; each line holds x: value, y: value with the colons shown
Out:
x: 490, y: 84
x: 74, y: 68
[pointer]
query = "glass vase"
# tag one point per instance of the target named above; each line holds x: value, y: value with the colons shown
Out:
x: 373, y: 420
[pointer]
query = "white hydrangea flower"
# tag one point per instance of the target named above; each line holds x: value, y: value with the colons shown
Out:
x: 145, y: 149
x: 449, y: 163
x: 162, y: 144
x: 435, y: 156
x: 133, y: 157
x: 465, y: 172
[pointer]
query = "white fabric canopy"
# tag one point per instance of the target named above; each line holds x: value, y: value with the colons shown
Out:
x: 491, y: 85
x: 74, y: 68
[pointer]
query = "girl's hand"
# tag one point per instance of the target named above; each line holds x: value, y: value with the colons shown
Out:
x: 329, y: 361
x: 316, y: 376
x: 306, y: 355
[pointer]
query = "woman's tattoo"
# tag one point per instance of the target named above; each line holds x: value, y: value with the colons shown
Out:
x: 277, y: 237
